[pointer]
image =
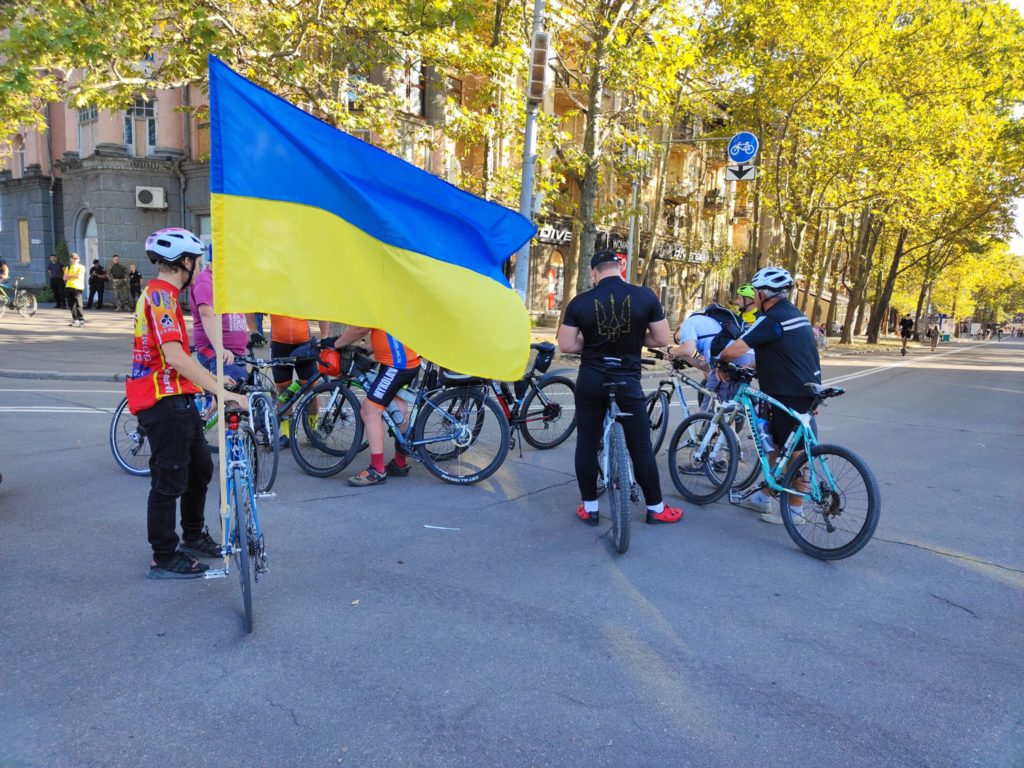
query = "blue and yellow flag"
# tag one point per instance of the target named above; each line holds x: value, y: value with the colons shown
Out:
x: 311, y: 222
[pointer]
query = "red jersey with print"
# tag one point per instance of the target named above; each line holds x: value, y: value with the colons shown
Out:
x: 158, y: 320
x: 388, y: 350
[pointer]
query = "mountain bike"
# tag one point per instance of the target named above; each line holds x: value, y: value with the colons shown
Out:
x: 658, y: 412
x: 616, y: 471
x: 459, y: 433
x: 244, y: 545
x: 841, y: 499
x: 20, y: 300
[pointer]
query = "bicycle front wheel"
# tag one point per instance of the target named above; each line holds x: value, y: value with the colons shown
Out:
x: 128, y: 441
x: 702, y: 458
x: 548, y: 414
x: 26, y: 304
x: 266, y: 430
x: 462, y: 436
x: 241, y: 540
x: 618, y: 488
x: 657, y: 413
x: 327, y: 430
x: 843, y: 513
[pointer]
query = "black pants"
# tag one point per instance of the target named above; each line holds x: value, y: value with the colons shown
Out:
x: 591, y: 404
x: 73, y: 297
x: 96, y: 289
x: 180, y: 466
x: 57, y: 286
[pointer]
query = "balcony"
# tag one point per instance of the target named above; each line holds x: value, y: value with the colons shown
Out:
x: 714, y: 203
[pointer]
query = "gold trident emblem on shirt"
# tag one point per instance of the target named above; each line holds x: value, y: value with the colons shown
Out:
x: 611, y: 323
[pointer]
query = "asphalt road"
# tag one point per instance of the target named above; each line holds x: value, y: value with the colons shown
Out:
x: 420, y: 624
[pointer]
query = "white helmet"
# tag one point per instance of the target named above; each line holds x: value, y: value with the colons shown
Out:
x: 171, y: 245
x: 772, y: 279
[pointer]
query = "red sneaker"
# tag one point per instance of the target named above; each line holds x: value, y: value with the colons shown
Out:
x: 590, y: 518
x: 667, y: 515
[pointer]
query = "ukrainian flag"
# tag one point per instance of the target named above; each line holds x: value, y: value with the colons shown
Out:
x: 311, y: 222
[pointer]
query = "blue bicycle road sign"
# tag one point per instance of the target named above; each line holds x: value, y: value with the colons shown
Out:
x: 742, y: 147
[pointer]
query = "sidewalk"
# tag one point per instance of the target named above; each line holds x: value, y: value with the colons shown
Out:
x: 44, y: 347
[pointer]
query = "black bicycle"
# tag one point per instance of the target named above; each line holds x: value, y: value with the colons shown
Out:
x: 20, y: 300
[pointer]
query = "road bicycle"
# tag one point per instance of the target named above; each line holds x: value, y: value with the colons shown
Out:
x: 616, y: 470
x: 658, y: 412
x: 243, y: 543
x: 459, y: 433
x: 541, y: 406
x: 20, y: 300
x: 841, y: 499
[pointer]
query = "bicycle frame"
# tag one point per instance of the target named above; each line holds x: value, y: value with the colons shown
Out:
x: 801, y: 439
x: 236, y: 461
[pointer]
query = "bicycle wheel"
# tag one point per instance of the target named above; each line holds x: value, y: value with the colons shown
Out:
x: 327, y: 430
x: 26, y: 303
x: 748, y: 465
x: 844, y: 518
x: 128, y: 441
x: 657, y: 412
x: 618, y: 488
x: 266, y: 430
x: 702, y: 458
x: 467, y: 436
x: 241, y: 540
x: 548, y: 414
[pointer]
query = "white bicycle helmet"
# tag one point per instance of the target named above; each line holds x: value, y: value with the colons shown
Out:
x: 173, y: 244
x: 772, y: 279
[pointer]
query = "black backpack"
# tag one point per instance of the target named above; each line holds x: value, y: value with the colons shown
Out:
x: 731, y: 328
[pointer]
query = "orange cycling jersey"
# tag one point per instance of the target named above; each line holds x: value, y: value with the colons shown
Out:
x: 391, y: 352
x: 288, y: 330
x: 158, y: 320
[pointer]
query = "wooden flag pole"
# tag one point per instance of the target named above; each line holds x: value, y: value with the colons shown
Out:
x: 216, y: 335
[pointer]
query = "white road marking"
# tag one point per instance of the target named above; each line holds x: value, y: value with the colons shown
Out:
x: 900, y: 364
x: 52, y: 409
x: 441, y: 528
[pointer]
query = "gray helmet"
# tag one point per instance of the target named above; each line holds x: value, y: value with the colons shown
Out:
x: 772, y: 279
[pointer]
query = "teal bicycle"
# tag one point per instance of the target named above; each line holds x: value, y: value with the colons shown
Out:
x: 841, y: 499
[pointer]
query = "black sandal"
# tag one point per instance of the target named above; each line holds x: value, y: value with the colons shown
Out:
x: 179, y: 566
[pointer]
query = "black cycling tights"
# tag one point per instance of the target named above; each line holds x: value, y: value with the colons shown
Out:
x: 591, y: 403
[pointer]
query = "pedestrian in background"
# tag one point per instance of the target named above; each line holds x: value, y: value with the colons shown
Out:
x: 97, y: 284
x: 119, y: 277
x: 55, y: 272
x: 134, y: 284
x: 74, y: 284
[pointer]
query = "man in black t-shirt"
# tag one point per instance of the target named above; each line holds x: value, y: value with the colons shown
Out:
x: 906, y: 331
x: 608, y: 326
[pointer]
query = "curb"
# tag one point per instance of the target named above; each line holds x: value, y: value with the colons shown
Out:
x: 45, y: 375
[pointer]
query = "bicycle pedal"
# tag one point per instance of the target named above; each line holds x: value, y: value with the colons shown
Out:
x: 266, y: 495
x: 215, y: 573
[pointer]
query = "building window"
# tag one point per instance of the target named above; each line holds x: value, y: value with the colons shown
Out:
x: 88, y: 130
x: 203, y: 140
x: 204, y: 228
x: 140, y: 126
x: 19, y: 156
x: 455, y: 90
x: 411, y: 88
x: 90, y: 240
x: 23, y: 241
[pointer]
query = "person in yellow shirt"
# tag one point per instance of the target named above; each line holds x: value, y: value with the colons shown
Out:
x: 74, y: 284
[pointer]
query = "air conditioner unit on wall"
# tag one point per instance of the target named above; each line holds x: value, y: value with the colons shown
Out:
x: 150, y: 197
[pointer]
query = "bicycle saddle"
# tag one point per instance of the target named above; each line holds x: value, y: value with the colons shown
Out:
x: 819, y: 390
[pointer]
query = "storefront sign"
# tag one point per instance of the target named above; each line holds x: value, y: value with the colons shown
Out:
x: 554, y: 235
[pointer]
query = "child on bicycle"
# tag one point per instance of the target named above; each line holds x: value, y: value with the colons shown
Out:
x: 160, y: 390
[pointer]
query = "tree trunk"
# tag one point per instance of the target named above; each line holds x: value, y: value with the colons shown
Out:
x: 591, y: 149
x: 860, y: 263
x: 917, y: 312
x: 882, y: 303
x: 823, y: 272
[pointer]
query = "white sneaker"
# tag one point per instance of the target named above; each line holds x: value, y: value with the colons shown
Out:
x: 758, y: 502
x: 775, y: 518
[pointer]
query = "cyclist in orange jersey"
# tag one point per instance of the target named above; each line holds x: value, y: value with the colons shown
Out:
x: 399, y: 365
